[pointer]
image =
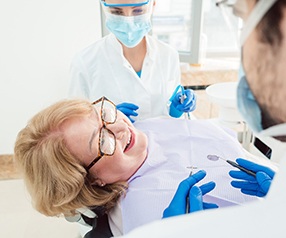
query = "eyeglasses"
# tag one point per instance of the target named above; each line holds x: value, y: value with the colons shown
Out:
x: 107, y: 141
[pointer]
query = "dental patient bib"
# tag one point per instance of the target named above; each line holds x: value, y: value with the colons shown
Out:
x: 174, y: 145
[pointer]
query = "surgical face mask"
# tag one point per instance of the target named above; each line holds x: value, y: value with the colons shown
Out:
x: 130, y: 21
x: 250, y: 110
x: 247, y: 104
x: 129, y: 30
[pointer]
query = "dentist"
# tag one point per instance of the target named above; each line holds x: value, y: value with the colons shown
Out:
x: 133, y: 69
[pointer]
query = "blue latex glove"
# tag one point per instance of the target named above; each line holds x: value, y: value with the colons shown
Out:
x: 256, y: 186
x: 186, y: 188
x: 128, y: 109
x: 177, y: 108
x: 196, y: 197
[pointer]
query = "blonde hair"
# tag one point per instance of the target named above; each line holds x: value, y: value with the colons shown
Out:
x: 55, y: 179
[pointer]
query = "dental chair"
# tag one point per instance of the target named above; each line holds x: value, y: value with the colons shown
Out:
x: 94, y: 221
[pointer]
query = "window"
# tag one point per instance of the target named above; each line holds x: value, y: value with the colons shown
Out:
x: 196, y: 28
x: 178, y: 23
x: 221, y: 30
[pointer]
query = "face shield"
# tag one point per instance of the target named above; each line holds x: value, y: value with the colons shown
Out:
x: 239, y: 8
x: 128, y: 20
x: 127, y: 8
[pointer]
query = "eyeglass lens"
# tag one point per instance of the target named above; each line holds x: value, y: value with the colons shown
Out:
x: 107, y: 138
x: 106, y: 142
x: 108, y: 112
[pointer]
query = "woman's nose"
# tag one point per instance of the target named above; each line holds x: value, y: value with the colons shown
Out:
x: 118, y: 128
x: 127, y: 12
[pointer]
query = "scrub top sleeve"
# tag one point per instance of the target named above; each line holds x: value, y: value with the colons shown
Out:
x: 79, y: 79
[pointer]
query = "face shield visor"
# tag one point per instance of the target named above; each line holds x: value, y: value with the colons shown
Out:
x: 239, y: 8
x: 128, y: 20
x: 127, y: 8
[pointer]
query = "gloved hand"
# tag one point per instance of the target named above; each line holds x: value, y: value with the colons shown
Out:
x: 256, y: 186
x: 196, y: 197
x: 128, y: 109
x: 177, y: 108
x: 186, y: 188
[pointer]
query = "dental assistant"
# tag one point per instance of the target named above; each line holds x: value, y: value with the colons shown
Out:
x: 261, y: 93
x: 133, y: 69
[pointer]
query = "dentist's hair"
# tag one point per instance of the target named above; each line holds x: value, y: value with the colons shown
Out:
x: 270, y: 25
x: 55, y: 179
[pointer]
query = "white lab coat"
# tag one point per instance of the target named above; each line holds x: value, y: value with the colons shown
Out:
x: 102, y: 70
x: 263, y: 219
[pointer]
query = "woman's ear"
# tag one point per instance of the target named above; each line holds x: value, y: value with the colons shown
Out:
x: 154, y: 4
x: 99, y: 182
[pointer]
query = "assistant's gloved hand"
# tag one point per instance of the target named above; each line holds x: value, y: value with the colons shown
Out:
x: 128, y: 109
x: 256, y: 186
x: 189, y: 103
x: 186, y: 188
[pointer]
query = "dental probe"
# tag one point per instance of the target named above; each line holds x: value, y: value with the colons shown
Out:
x: 232, y: 163
x: 187, y: 200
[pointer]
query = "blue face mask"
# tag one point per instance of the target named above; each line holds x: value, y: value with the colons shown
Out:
x: 129, y: 30
x: 247, y: 105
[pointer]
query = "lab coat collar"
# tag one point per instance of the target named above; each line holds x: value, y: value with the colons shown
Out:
x: 151, y: 49
x: 115, y: 43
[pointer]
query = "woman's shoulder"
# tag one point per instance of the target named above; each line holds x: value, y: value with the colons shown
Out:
x: 95, y: 46
x: 95, y: 51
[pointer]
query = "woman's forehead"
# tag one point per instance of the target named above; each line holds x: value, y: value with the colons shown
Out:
x: 123, y: 1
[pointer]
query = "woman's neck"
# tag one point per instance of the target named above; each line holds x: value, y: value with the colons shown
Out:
x: 136, y: 55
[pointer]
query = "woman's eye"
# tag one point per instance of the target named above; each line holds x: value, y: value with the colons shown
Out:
x: 102, y: 141
x: 103, y: 114
x: 116, y: 12
x: 137, y: 11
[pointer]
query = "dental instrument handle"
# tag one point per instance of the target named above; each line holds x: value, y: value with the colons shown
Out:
x: 188, y: 199
x: 182, y: 99
x: 241, y: 168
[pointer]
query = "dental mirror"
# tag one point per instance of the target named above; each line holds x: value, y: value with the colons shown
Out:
x: 232, y: 163
x: 213, y: 157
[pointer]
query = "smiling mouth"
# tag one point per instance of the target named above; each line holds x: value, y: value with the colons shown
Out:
x: 130, y: 143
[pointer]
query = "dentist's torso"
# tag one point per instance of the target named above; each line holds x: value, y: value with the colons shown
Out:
x: 102, y: 70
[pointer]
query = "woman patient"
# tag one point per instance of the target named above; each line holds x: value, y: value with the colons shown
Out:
x: 75, y: 154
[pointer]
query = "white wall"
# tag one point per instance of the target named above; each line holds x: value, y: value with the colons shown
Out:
x: 37, y: 41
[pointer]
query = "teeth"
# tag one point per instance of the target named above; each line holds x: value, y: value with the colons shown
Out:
x: 128, y: 142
